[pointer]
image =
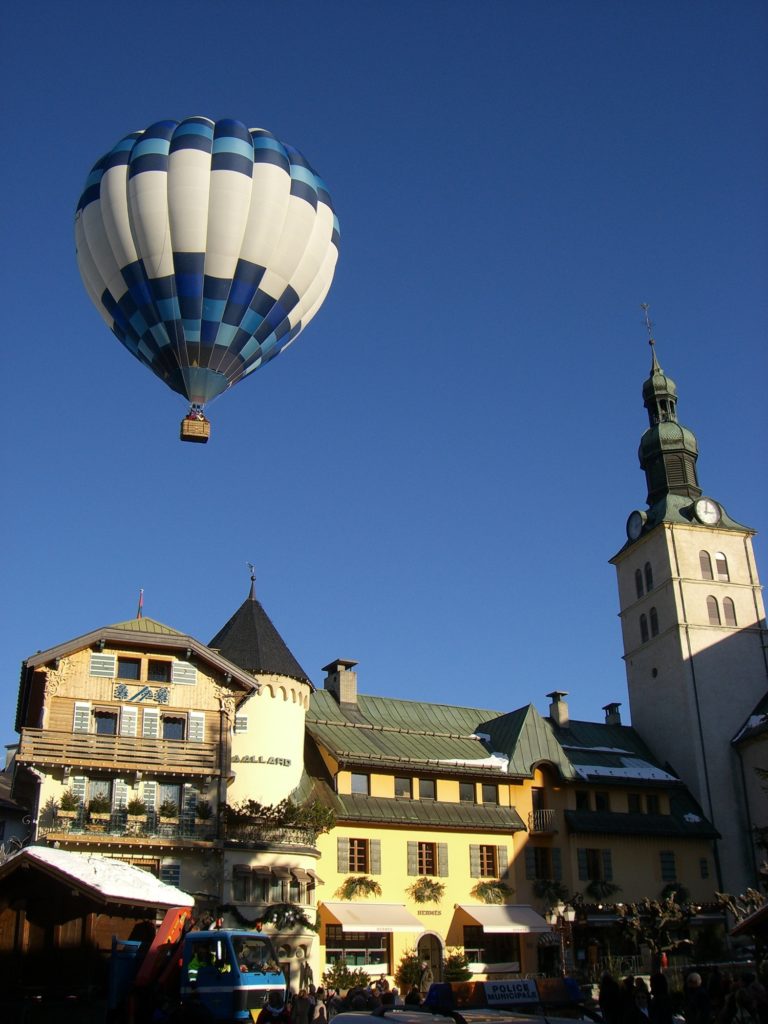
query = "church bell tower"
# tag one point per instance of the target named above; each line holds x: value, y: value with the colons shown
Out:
x: 693, y: 627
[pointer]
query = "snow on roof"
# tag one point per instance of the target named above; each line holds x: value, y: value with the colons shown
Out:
x: 494, y: 760
x: 753, y: 722
x: 599, y: 750
x: 630, y: 768
x: 113, y: 879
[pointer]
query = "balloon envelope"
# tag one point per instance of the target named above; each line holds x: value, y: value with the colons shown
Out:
x: 207, y: 247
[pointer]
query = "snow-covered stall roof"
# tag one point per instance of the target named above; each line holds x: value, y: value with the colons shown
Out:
x: 109, y: 879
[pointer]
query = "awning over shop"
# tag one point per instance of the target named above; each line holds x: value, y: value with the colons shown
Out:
x: 499, y: 920
x: 374, y: 917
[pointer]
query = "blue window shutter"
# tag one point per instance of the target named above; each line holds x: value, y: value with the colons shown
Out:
x: 530, y: 863
x: 171, y: 874
x: 607, y: 866
x: 557, y: 864
x: 583, y: 866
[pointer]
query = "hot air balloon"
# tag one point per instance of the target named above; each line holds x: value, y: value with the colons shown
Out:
x: 207, y: 247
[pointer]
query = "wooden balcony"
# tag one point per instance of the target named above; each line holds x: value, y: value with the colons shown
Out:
x: 543, y: 820
x: 45, y: 749
x: 116, y: 826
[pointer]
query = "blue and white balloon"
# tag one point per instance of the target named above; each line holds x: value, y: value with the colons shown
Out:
x: 207, y: 247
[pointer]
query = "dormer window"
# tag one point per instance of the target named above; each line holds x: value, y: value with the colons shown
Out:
x: 158, y: 671
x: 129, y: 668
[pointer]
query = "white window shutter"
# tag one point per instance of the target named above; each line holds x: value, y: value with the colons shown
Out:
x: 129, y: 721
x: 474, y: 860
x: 196, y: 732
x: 150, y: 726
x: 79, y: 785
x: 82, y: 717
x: 189, y: 799
x: 184, y: 673
x: 119, y: 794
x: 150, y: 795
x: 103, y: 665
x: 442, y: 859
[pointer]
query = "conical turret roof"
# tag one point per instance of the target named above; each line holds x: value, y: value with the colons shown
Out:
x: 251, y: 641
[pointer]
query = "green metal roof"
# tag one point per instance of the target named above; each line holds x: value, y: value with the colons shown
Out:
x: 145, y: 626
x: 380, y: 730
x: 685, y: 821
x: 527, y: 740
x: 353, y: 807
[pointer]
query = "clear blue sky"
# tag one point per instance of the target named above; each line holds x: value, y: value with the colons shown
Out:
x: 433, y: 478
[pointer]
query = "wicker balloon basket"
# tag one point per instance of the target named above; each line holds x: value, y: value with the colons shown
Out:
x: 196, y: 429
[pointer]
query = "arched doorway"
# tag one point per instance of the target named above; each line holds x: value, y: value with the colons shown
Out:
x: 430, y: 948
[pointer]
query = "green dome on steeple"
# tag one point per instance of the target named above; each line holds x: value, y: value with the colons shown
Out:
x: 668, y: 450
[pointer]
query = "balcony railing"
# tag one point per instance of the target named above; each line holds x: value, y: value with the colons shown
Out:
x: 118, y: 824
x: 542, y: 821
x: 47, y: 749
x: 270, y: 835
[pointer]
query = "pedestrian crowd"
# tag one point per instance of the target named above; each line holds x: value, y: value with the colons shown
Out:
x: 312, y: 1005
x: 724, y: 999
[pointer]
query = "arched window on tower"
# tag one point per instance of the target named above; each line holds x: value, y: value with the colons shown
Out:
x: 648, y: 576
x: 721, y: 567
x: 729, y: 612
x: 639, y: 582
x: 643, y: 628
x: 713, y: 610
x: 706, y: 565
x: 654, y: 622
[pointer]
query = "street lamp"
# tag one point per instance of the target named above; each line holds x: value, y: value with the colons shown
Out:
x: 560, y: 918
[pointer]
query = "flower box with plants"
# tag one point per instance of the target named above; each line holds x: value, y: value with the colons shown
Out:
x: 169, y: 811
x: 203, y: 811
x: 136, y: 810
x: 69, y: 805
x: 492, y: 891
x: 100, y: 808
x: 357, y: 886
x: 426, y: 890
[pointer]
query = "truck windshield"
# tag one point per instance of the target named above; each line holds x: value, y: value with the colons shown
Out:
x: 255, y: 955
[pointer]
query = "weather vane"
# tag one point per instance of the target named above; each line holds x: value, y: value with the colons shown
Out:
x: 648, y: 322
x: 252, y: 571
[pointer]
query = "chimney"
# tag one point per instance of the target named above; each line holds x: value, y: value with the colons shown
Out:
x: 612, y: 715
x: 558, y: 709
x: 341, y: 681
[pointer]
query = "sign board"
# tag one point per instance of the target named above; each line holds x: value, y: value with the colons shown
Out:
x: 510, y: 992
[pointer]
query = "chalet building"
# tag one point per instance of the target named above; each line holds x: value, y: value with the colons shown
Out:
x: 126, y: 746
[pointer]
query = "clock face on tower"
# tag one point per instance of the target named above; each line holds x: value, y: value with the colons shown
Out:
x: 635, y: 524
x: 707, y: 511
